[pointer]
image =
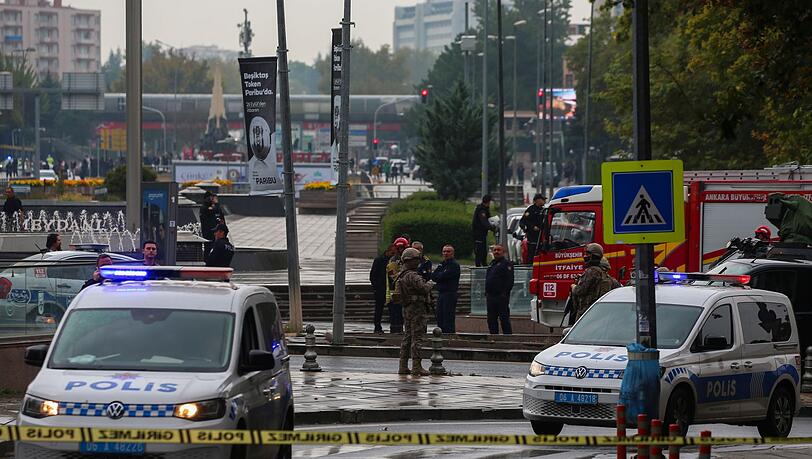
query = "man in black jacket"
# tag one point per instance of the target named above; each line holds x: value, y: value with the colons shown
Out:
x: 480, y: 227
x: 211, y: 214
x: 103, y: 260
x: 498, y: 284
x: 223, y: 251
x: 377, y: 277
x: 447, y: 278
x: 531, y: 222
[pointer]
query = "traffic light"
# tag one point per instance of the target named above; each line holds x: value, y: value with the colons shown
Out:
x: 424, y: 95
x: 541, y: 92
x: 375, y: 143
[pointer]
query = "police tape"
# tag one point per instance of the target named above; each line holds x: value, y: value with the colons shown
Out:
x: 281, y: 437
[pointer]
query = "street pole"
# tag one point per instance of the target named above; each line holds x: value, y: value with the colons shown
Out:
x: 515, y: 156
x: 163, y: 122
x: 543, y: 120
x: 485, y: 99
x: 339, y: 294
x: 646, y: 312
x: 588, y: 91
x: 36, y: 137
x: 500, y: 105
x: 294, y: 283
x: 537, y: 121
x: 550, y: 96
x: 134, y: 102
x: 465, y: 55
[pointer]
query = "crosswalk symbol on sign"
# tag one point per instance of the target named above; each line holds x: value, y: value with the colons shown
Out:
x: 642, y: 211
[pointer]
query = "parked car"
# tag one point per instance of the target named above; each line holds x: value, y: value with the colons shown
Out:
x: 48, y: 175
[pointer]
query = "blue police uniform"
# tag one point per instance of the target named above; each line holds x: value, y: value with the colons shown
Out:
x: 498, y: 284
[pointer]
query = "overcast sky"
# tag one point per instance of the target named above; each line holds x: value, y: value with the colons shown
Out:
x: 184, y: 23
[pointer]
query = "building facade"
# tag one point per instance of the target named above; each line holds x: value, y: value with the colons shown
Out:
x: 54, y: 38
x: 431, y: 25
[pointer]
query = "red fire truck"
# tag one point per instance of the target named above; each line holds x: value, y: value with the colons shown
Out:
x: 719, y: 205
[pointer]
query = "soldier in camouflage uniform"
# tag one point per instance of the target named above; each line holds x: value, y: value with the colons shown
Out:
x: 592, y: 284
x: 414, y: 293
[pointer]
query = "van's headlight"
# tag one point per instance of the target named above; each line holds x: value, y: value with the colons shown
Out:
x: 536, y: 369
x: 39, y: 408
x: 201, y: 411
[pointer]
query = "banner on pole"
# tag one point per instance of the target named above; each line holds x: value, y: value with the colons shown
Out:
x: 258, y: 77
x: 335, y: 99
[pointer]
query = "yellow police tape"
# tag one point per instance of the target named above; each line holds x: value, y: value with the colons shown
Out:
x: 276, y: 437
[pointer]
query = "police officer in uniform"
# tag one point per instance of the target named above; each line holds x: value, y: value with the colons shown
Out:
x: 592, y: 284
x: 413, y: 292
x: 498, y: 284
x: 223, y: 251
x: 479, y: 228
x: 532, y: 223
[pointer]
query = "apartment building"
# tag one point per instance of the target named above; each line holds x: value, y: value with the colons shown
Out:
x: 54, y: 38
x: 431, y: 25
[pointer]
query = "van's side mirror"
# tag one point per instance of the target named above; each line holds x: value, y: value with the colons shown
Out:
x: 258, y: 360
x: 715, y: 343
x: 35, y: 355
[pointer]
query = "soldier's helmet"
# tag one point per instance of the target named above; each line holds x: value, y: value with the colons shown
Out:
x: 410, y: 254
x: 595, y: 250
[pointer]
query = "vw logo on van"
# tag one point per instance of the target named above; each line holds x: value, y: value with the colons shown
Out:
x: 115, y: 410
x: 580, y: 372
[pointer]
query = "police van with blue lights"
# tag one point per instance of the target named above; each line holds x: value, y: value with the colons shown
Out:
x: 163, y: 347
x: 728, y: 354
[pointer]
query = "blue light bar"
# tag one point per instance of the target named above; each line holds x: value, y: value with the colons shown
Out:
x: 119, y: 273
x: 667, y: 276
x: 571, y: 191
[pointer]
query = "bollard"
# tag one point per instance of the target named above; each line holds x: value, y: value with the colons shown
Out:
x: 620, y: 416
x: 705, y: 450
x: 310, y: 355
x: 673, y: 432
x: 642, y: 431
x: 436, y: 367
x: 806, y: 386
x: 656, y: 451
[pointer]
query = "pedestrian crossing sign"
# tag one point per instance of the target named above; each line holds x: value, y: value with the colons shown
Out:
x: 643, y: 202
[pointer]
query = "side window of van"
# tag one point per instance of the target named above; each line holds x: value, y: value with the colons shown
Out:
x: 270, y: 325
x: 765, y: 322
x: 249, y: 339
x: 718, y: 326
x: 781, y: 281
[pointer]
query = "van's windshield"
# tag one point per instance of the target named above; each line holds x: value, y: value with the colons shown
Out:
x: 144, y: 340
x: 612, y: 324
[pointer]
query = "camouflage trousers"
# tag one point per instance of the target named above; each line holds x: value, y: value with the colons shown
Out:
x: 414, y: 320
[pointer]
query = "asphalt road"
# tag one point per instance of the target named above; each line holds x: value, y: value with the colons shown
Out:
x: 802, y: 428
x: 390, y: 366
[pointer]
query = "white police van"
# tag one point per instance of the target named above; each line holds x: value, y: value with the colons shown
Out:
x: 727, y: 354
x: 163, y: 347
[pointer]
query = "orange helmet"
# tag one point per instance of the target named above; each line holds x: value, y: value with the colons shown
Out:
x: 764, y: 231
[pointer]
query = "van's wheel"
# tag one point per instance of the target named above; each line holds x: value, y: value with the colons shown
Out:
x: 779, y: 414
x: 680, y: 409
x: 547, y: 428
x: 286, y: 451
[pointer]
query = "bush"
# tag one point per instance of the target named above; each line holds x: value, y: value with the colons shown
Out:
x: 116, y: 179
x: 406, y: 206
x: 434, y: 228
x: 423, y: 196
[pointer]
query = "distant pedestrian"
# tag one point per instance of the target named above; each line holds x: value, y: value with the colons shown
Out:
x: 393, y: 269
x: 387, y: 171
x: 592, y: 284
x: 520, y: 173
x: 498, y: 284
x: 13, y: 210
x: 447, y: 278
x: 413, y: 292
x: 377, y: 277
x: 223, y: 251
x: 103, y: 260
x: 424, y: 268
x: 480, y: 227
x: 395, y: 172
x: 211, y: 215
x: 53, y: 243
x: 532, y: 222
x: 150, y: 251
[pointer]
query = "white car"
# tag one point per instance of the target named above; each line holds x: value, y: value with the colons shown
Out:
x: 170, y: 348
x: 48, y: 175
x: 727, y: 354
x: 36, y: 290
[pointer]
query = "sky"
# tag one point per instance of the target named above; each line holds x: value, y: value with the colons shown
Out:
x: 182, y: 23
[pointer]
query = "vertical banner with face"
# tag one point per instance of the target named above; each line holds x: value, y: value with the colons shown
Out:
x: 335, y: 98
x: 258, y: 77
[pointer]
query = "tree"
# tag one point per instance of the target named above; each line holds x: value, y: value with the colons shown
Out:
x: 450, y: 145
x: 113, y: 69
x: 371, y: 72
x: 170, y: 71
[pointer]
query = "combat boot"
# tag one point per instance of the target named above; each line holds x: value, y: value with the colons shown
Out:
x: 418, y: 370
x: 403, y: 369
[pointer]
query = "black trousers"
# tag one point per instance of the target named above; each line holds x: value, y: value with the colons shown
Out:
x: 380, y: 301
x: 447, y: 311
x: 499, y: 312
x: 481, y: 252
x: 395, y: 318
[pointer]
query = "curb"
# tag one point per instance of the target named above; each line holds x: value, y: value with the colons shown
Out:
x: 490, y: 355
x: 409, y: 414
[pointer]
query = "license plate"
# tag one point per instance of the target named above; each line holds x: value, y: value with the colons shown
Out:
x: 576, y: 399
x: 112, y: 448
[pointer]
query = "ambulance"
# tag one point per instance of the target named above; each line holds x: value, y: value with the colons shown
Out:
x: 728, y: 354
x: 719, y: 205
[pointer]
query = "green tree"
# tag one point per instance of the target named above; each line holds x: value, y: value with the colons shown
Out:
x: 170, y: 71
x: 450, y: 148
x: 113, y: 69
x: 371, y: 72
x: 116, y: 179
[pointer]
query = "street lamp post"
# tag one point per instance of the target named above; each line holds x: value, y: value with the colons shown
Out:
x: 500, y: 106
x: 375, y: 117
x: 163, y: 122
x: 515, y: 92
x: 588, y: 91
x: 174, y: 100
x: 485, y: 99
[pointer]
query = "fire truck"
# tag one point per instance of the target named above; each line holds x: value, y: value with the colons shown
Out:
x: 719, y: 205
